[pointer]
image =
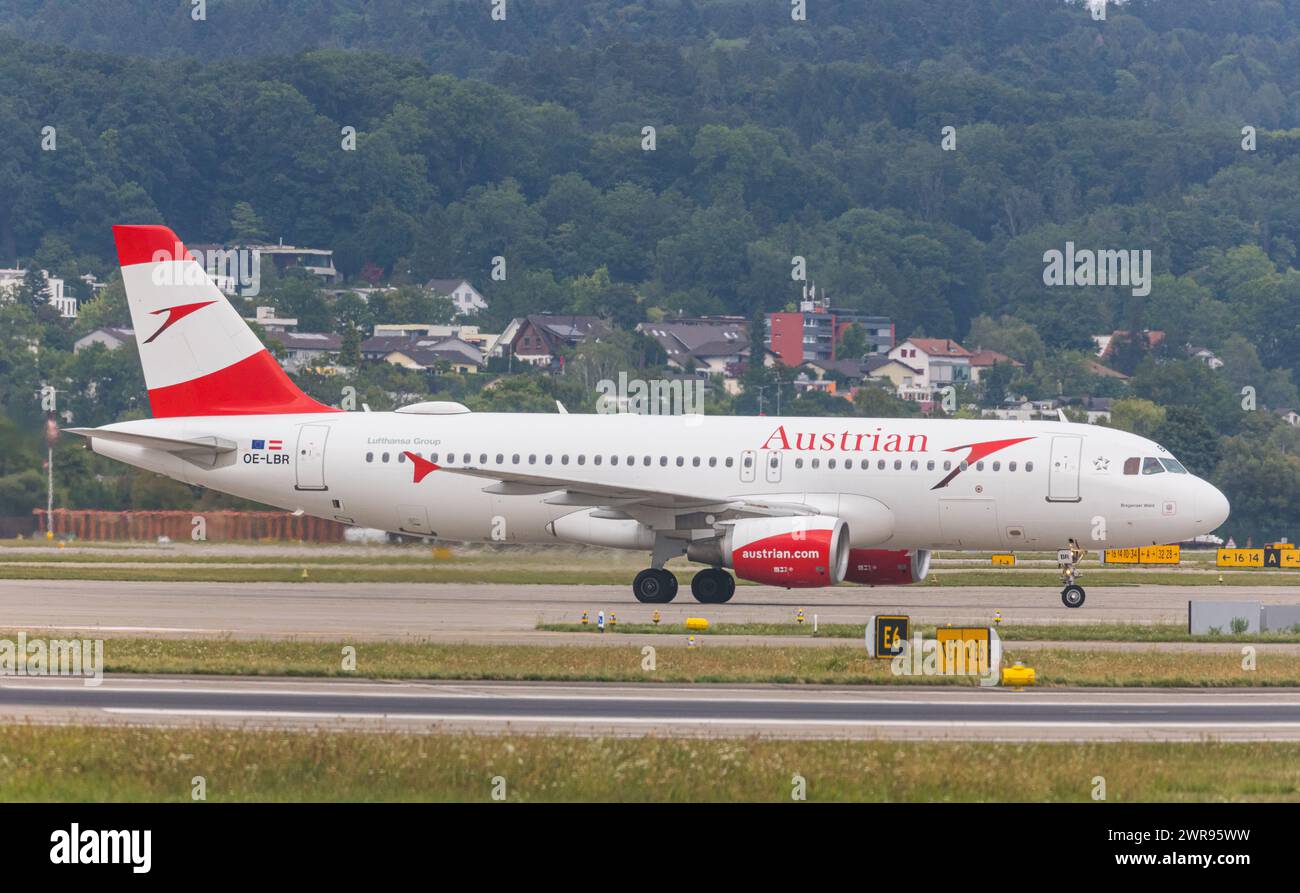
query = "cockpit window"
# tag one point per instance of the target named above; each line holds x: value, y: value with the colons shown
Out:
x: 1132, y: 465
x: 1174, y: 465
x: 1151, y: 465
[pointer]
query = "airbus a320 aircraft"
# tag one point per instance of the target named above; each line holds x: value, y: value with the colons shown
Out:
x: 792, y: 502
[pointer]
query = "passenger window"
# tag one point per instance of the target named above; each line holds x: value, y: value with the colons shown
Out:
x: 947, y: 465
x: 1151, y: 466
x: 1131, y: 465
x: 433, y: 457
x: 1029, y: 466
x: 680, y: 461
x: 997, y: 466
x: 596, y: 459
x: 548, y: 460
x: 830, y: 463
x: 915, y: 465
x: 929, y: 466
x: 646, y: 461
x: 500, y: 459
x: 663, y: 460
x: 401, y: 458
x: 748, y: 461
x: 1011, y: 466
x: 564, y: 460
x: 713, y: 461
x: 515, y: 459
x: 898, y: 465
x: 696, y: 461
x: 385, y: 457
x: 979, y: 466
x: 532, y: 458
x: 468, y: 459
x: 370, y: 457
x: 816, y: 463
x: 730, y: 461
x: 582, y: 460
x: 880, y: 464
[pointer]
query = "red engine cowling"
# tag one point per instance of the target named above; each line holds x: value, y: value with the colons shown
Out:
x: 799, y: 552
x: 887, y: 567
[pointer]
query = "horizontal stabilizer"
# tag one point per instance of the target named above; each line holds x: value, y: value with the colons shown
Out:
x: 202, y: 451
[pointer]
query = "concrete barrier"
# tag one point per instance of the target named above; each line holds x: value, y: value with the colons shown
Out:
x: 1209, y: 618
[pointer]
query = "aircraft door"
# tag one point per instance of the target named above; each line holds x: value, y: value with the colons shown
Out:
x: 1063, y: 480
x: 310, y: 466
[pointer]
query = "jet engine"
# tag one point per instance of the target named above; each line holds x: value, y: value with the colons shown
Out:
x: 797, y: 552
x: 887, y: 567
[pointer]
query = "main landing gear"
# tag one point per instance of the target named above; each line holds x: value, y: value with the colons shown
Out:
x: 655, y: 586
x: 713, y: 586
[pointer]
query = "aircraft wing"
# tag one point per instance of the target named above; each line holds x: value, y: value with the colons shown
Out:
x: 202, y: 451
x: 580, y: 493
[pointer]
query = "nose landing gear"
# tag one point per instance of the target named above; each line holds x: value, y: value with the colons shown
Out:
x: 1072, y: 596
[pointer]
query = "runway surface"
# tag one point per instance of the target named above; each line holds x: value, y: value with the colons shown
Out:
x: 456, y: 612
x: 695, y: 710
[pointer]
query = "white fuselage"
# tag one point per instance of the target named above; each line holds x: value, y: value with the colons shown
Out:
x: 1063, y: 480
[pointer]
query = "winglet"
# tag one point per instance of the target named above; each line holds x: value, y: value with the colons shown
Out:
x: 422, y: 465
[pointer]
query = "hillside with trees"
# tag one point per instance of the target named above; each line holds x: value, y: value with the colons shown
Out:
x: 772, y: 139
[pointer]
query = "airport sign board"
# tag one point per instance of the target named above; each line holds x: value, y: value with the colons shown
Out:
x: 1239, y: 558
x: 887, y: 635
x: 1144, y: 555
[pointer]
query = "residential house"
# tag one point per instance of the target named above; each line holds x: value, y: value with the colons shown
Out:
x: 11, y: 279
x: 462, y: 294
x: 1290, y: 416
x: 940, y: 361
x: 539, y: 338
x: 710, y: 345
x: 112, y: 338
x: 269, y: 322
x: 428, y: 353
x: 1205, y: 355
x: 304, y: 350
x: 908, y: 382
x: 981, y: 360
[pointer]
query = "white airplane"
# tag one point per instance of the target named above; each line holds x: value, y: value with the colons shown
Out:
x: 792, y: 502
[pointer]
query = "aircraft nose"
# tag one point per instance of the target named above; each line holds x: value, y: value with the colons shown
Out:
x: 1211, y: 506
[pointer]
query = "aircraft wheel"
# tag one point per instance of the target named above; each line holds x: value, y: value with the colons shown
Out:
x: 655, y: 586
x: 1072, y: 596
x: 713, y: 586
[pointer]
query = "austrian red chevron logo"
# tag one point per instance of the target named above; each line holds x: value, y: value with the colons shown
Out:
x: 422, y: 466
x: 977, y: 452
x: 175, y: 315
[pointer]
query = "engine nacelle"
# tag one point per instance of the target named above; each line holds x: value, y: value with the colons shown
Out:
x: 799, y: 552
x: 887, y: 567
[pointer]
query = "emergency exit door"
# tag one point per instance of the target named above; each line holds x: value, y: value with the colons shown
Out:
x: 1063, y: 475
x: 310, y: 466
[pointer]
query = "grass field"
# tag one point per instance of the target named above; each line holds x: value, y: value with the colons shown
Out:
x: 1037, y: 632
x: 674, y: 662
x: 100, y: 764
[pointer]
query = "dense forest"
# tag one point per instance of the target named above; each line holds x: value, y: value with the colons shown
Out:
x: 1172, y: 127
